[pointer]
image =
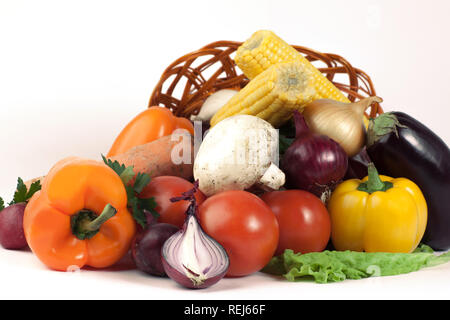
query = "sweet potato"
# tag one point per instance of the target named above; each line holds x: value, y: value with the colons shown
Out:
x: 162, y: 157
x: 157, y: 158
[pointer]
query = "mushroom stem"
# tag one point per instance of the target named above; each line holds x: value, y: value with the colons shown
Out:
x: 273, y: 178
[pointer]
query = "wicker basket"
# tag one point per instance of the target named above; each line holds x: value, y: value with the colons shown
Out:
x: 189, y: 80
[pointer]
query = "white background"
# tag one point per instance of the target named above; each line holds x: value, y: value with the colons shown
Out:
x: 73, y: 73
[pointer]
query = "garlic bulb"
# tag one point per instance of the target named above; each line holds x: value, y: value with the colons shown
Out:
x: 342, y: 122
x: 213, y: 103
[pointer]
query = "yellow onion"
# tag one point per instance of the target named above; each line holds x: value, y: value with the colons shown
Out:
x: 342, y: 122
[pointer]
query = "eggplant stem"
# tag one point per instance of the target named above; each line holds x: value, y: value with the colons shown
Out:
x: 384, y: 124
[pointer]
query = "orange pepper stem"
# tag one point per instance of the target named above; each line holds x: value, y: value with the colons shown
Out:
x: 85, y: 224
x: 374, y: 183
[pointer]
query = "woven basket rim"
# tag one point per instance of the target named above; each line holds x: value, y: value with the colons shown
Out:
x: 197, y: 87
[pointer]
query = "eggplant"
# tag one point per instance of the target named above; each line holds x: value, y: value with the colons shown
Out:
x: 401, y: 146
x: 358, y: 165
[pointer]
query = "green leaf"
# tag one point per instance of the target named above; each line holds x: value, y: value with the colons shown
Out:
x: 382, y: 125
x: 333, y: 266
x: 136, y: 205
x: 137, y: 213
x: 149, y: 204
x: 125, y: 173
x: 34, y: 187
x: 133, y: 204
x: 284, y: 143
x: 139, y: 206
x: 2, y: 204
x: 21, y: 192
x: 423, y: 248
x: 130, y: 194
x: 286, y: 136
x: 142, y: 180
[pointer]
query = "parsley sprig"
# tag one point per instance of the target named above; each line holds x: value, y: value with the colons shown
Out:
x: 22, y: 194
x: 137, y: 205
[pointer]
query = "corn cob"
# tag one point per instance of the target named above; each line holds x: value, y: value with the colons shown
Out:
x: 273, y: 94
x: 265, y: 49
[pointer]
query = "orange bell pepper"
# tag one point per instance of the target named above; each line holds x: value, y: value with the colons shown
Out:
x: 62, y: 222
x: 149, y: 125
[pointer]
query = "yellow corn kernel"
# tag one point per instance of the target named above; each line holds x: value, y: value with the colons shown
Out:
x: 272, y: 95
x: 265, y: 49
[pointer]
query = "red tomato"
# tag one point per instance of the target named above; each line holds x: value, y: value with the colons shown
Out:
x: 303, y: 219
x: 244, y: 225
x: 164, y: 188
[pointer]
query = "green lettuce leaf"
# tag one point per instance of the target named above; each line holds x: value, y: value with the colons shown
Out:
x: 334, y: 266
x: 423, y: 248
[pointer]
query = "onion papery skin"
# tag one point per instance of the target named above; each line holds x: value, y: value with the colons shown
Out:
x: 205, y: 250
x: 314, y: 163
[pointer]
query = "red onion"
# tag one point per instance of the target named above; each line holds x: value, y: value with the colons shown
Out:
x: 146, y: 247
x: 190, y: 256
x: 12, y: 236
x: 313, y: 162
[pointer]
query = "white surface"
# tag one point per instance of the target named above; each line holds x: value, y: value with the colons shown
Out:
x: 24, y: 277
x: 72, y: 74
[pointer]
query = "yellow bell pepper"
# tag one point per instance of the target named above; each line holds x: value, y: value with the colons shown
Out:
x: 377, y: 214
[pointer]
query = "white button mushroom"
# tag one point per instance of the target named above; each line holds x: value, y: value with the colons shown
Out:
x: 238, y: 153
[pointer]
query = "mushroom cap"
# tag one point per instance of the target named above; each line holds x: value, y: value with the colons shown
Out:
x: 235, y: 154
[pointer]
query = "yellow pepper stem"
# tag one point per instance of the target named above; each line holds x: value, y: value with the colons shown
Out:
x: 374, y: 183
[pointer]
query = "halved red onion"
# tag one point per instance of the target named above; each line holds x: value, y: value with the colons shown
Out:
x: 191, y: 257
